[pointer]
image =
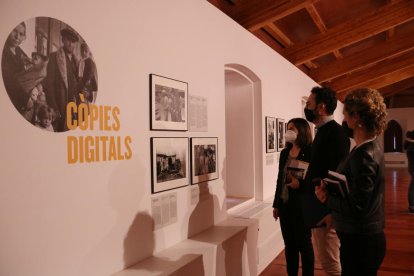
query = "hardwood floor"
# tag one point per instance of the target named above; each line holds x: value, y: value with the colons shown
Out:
x: 399, y: 231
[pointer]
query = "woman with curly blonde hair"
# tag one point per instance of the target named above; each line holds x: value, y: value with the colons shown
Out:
x: 359, y: 216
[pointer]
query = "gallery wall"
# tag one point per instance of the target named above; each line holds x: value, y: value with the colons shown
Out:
x: 95, y: 218
x: 404, y: 116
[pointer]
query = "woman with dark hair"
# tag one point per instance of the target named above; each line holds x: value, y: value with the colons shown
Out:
x: 359, y: 216
x: 287, y: 205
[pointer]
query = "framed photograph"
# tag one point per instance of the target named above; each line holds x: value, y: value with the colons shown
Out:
x: 204, y: 159
x: 270, y: 134
x: 169, y: 163
x: 169, y: 104
x: 280, y: 134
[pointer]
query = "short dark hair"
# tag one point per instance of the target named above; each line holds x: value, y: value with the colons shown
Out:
x: 304, y: 132
x: 327, y: 96
x: 410, y: 134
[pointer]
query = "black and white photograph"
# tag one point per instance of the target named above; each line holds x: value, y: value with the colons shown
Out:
x: 169, y: 103
x: 45, y: 65
x: 169, y: 163
x: 204, y: 159
x: 270, y: 134
x: 280, y: 134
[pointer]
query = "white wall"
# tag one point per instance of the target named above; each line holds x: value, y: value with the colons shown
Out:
x: 81, y: 219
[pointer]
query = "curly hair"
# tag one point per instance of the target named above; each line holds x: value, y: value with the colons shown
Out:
x: 369, y: 105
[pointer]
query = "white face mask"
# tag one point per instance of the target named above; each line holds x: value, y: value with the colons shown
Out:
x: 290, y: 136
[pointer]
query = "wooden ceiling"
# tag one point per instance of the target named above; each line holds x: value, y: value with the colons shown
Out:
x: 344, y: 44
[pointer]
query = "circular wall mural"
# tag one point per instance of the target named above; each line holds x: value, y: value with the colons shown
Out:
x: 45, y: 65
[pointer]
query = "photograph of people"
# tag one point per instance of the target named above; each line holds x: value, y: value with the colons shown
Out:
x: 53, y: 76
x: 169, y: 104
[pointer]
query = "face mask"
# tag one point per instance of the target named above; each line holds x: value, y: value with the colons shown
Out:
x: 290, y: 136
x: 309, y: 114
x: 349, y: 131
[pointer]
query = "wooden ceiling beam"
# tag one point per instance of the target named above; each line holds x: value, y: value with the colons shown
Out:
x: 383, y: 81
x: 390, y: 48
x: 351, y: 31
x: 280, y: 36
x: 254, y: 14
x: 397, y: 87
x: 384, y: 73
x: 317, y: 19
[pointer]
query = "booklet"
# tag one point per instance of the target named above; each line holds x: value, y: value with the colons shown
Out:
x: 298, y: 168
x: 336, y: 184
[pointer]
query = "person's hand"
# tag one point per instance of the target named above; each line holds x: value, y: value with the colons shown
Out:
x: 327, y: 220
x: 294, y: 184
x: 275, y: 213
x: 321, y: 193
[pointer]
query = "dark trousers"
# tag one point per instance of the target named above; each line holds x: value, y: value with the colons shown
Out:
x: 361, y: 254
x: 297, y: 239
x: 411, y: 192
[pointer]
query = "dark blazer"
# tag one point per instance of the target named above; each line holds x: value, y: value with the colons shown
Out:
x: 304, y: 155
x: 362, y: 211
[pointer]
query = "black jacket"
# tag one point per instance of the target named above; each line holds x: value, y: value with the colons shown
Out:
x: 362, y: 211
x: 304, y: 155
x: 329, y: 148
x: 409, y: 146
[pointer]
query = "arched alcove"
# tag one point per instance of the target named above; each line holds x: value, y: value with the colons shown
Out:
x: 393, y: 137
x: 243, y: 102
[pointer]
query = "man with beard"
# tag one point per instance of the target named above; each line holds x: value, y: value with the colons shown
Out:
x: 329, y: 147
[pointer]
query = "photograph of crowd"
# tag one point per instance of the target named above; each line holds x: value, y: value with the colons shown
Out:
x: 45, y: 65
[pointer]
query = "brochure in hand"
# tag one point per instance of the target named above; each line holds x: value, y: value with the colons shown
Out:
x: 336, y: 184
x: 298, y: 169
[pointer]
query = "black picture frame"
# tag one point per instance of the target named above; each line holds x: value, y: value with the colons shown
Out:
x: 204, y: 159
x: 270, y: 134
x: 169, y: 163
x: 281, y: 129
x: 168, y: 104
